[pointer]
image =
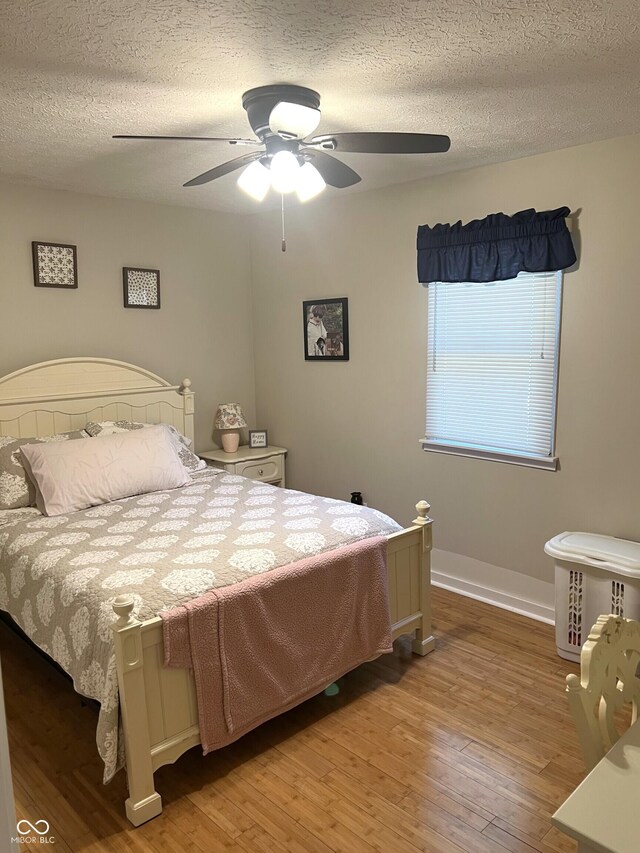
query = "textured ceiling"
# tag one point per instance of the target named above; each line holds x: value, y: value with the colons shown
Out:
x: 504, y: 79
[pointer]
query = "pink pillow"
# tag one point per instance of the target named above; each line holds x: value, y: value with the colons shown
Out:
x: 74, y: 475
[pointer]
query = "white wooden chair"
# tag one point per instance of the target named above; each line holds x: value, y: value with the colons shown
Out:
x: 608, y: 679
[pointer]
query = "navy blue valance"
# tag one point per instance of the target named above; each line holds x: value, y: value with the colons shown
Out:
x: 495, y: 248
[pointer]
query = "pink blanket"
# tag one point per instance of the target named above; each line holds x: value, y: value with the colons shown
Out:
x: 268, y: 643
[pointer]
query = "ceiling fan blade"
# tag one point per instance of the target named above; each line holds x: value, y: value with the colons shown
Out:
x: 224, y: 169
x: 335, y: 172
x: 194, y: 139
x: 384, y: 143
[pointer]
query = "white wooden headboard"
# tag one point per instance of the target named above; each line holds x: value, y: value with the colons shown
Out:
x: 57, y: 396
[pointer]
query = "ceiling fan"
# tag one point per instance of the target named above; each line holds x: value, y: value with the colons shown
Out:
x: 282, y: 117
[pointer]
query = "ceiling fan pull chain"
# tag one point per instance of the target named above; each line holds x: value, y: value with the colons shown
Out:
x: 284, y: 239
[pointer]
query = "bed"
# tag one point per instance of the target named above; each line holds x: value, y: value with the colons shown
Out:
x: 157, y: 705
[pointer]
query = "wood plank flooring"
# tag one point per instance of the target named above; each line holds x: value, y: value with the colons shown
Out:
x: 468, y: 749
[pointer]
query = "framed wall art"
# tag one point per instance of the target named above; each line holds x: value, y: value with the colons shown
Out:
x: 141, y: 287
x: 326, y: 329
x: 54, y: 265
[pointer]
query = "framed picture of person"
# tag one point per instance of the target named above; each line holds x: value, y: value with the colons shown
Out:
x: 326, y: 329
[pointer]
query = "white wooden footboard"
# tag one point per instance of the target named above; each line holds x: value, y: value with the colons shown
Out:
x: 409, y: 581
x: 158, y: 703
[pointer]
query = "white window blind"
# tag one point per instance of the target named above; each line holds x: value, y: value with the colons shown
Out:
x: 492, y: 365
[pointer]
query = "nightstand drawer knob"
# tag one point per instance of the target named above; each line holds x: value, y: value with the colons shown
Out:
x: 267, y: 470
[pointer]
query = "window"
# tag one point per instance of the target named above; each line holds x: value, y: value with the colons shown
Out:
x: 492, y: 368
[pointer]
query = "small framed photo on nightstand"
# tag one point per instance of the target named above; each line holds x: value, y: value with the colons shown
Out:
x: 258, y: 438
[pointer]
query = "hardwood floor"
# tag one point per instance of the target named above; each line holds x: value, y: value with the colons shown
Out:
x: 470, y: 748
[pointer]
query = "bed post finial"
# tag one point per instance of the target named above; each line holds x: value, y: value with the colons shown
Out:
x: 573, y: 683
x: 423, y: 641
x: 122, y: 606
x: 422, y: 508
x: 188, y: 409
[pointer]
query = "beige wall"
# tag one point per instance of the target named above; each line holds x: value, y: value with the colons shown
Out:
x: 356, y: 425
x: 203, y: 329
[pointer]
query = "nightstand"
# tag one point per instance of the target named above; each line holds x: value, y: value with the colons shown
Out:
x: 258, y: 463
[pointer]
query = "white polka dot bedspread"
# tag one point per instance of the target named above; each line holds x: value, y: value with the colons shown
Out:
x: 59, y: 576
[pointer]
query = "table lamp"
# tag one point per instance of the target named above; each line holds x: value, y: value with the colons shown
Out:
x: 230, y: 420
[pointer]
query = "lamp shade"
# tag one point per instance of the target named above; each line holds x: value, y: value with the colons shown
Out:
x: 293, y: 120
x: 309, y: 182
x: 255, y: 180
x: 284, y: 172
x: 229, y: 416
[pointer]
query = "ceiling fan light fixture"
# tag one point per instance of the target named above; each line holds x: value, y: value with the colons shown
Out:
x: 284, y: 118
x: 310, y: 182
x: 293, y: 120
x: 255, y: 180
x: 284, y: 172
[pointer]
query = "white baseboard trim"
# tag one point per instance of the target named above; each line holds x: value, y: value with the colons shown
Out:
x: 493, y: 585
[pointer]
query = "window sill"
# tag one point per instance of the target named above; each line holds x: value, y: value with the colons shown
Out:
x: 548, y: 463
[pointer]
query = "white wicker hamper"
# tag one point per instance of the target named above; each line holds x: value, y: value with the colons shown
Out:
x: 594, y: 575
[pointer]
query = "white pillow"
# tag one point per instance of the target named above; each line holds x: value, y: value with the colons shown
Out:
x: 182, y: 444
x: 74, y: 475
x: 16, y: 490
